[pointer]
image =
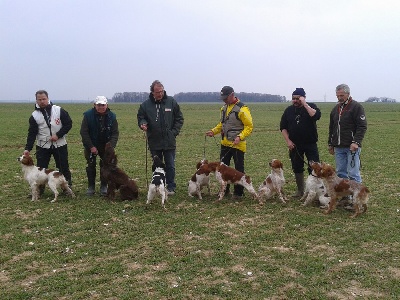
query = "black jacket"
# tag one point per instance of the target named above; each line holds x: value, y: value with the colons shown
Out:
x: 164, y: 121
x: 347, y: 124
x: 302, y: 128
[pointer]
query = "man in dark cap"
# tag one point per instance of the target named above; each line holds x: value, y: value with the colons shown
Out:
x: 299, y: 129
x: 235, y: 125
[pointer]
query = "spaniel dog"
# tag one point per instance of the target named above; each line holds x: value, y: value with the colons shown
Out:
x: 340, y: 187
x: 273, y: 184
x: 158, y: 182
x: 199, y: 179
x: 40, y: 176
x: 315, y: 190
x: 227, y: 175
x: 116, y: 178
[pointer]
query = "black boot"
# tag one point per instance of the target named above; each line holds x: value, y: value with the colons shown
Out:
x: 300, y: 185
x: 91, y: 175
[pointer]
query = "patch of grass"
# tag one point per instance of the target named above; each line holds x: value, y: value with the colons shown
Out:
x: 90, y: 248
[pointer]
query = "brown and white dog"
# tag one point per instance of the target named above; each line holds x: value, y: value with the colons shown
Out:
x: 315, y: 190
x: 116, y: 178
x: 199, y: 179
x: 273, y: 184
x: 227, y: 175
x: 340, y: 187
x: 40, y: 176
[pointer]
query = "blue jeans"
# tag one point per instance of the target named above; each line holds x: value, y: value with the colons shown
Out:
x: 348, y: 163
x: 168, y: 156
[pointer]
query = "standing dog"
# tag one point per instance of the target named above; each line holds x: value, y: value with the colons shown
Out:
x: 315, y: 190
x: 227, y: 175
x: 199, y: 179
x: 39, y: 176
x: 158, y: 183
x: 340, y: 187
x: 116, y: 178
x: 273, y: 184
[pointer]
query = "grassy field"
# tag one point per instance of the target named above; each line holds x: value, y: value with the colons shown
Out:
x: 90, y: 248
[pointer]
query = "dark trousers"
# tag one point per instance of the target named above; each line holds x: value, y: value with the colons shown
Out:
x: 91, y: 161
x: 238, y: 158
x: 60, y: 155
x: 297, y: 157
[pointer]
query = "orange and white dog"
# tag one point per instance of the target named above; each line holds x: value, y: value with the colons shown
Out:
x: 39, y: 176
x: 315, y: 190
x: 340, y: 187
x: 273, y: 184
x: 199, y: 179
x: 227, y: 175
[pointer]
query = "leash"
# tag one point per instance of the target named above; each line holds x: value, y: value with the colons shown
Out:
x: 298, y: 154
x: 145, y: 137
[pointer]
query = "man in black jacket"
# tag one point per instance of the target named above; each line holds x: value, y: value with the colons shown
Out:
x: 161, y: 117
x: 299, y: 129
x: 49, y: 125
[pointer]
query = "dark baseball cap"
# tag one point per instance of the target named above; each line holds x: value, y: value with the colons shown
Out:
x: 225, y: 92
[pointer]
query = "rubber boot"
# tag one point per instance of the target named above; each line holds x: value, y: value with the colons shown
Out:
x: 300, y: 185
x: 103, y: 188
x: 91, y: 175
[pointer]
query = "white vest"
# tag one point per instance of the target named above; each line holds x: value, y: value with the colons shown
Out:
x: 43, y: 136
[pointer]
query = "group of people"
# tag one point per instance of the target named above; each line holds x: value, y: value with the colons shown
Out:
x: 161, y: 118
x: 347, y: 127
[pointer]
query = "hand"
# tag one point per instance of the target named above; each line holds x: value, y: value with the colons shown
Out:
x: 26, y: 152
x: 94, y: 150
x: 353, y: 147
x: 143, y: 127
x: 331, y: 150
x: 236, y: 140
x: 53, y: 138
x: 291, y: 145
x: 209, y: 133
x: 303, y: 100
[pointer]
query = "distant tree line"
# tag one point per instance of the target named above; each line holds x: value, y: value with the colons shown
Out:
x: 198, y: 97
x: 381, y: 99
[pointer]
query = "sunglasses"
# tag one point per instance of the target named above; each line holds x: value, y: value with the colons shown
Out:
x: 296, y: 98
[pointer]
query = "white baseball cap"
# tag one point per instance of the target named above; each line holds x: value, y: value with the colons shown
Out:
x: 100, y: 100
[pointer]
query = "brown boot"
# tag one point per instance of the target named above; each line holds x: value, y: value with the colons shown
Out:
x: 300, y: 185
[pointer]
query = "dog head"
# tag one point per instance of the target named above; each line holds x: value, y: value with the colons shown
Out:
x: 26, y: 160
x: 157, y: 163
x: 109, y: 158
x: 321, y: 170
x: 200, y: 163
x: 276, y: 164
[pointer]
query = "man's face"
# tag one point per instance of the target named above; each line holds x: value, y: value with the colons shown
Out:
x: 296, y: 100
x: 42, y: 100
x: 101, y: 108
x: 230, y: 99
x: 158, y: 92
x: 342, y: 96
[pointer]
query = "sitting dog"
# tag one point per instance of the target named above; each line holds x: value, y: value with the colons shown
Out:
x: 315, y: 190
x: 340, y: 187
x: 273, y: 184
x: 39, y: 176
x: 199, y: 179
x: 158, y: 182
x: 116, y: 178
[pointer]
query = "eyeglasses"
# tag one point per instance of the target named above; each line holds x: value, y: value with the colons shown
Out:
x: 296, y: 98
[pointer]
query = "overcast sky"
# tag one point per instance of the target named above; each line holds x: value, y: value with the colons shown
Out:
x: 78, y: 49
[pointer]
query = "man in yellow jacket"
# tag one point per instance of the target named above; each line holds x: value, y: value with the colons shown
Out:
x: 235, y: 125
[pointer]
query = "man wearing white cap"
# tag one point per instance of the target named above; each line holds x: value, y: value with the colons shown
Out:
x: 99, y: 126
